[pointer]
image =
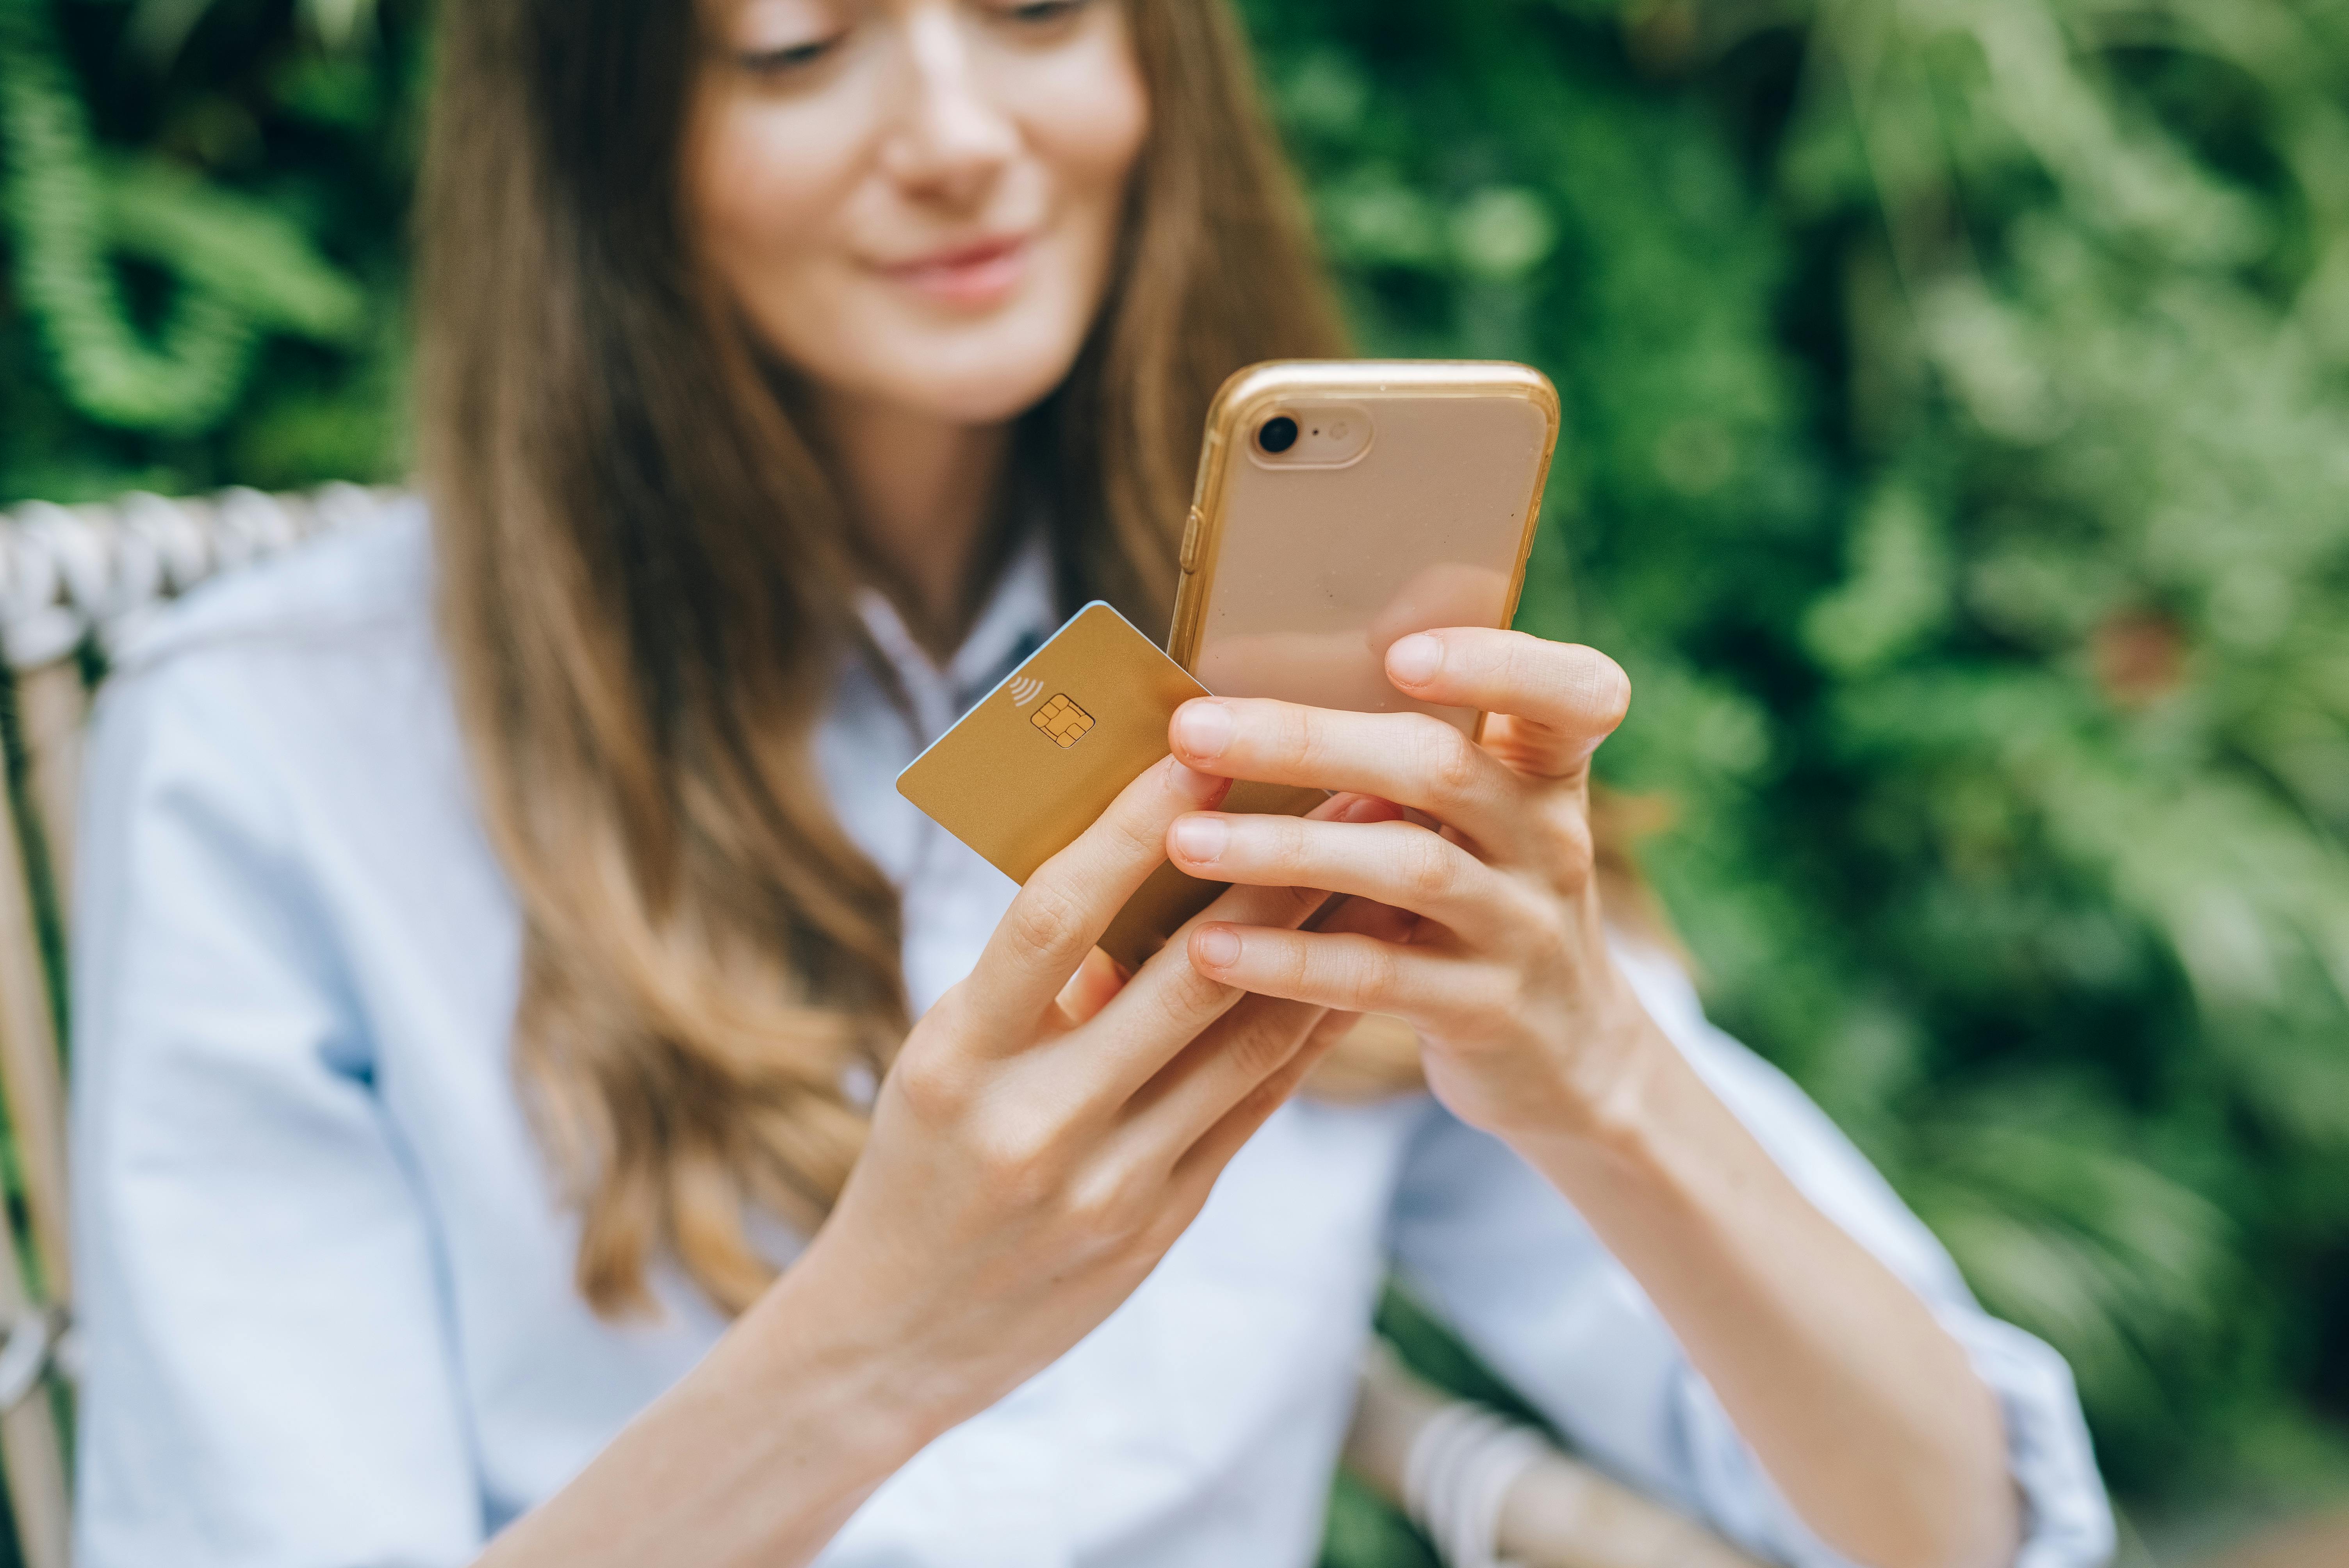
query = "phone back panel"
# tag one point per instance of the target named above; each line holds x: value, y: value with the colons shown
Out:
x: 1299, y: 574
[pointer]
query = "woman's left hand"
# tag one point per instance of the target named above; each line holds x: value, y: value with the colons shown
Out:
x: 1493, y: 946
x: 1486, y: 933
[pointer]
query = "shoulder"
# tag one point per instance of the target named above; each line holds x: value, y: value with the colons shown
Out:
x: 356, y: 590
x: 294, y: 690
x: 304, y: 655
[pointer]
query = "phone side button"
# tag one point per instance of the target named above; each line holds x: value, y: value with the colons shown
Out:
x: 1190, y: 556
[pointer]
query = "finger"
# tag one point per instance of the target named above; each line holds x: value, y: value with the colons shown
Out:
x: 1089, y: 990
x: 1169, y: 1002
x: 1063, y: 909
x: 1394, y: 862
x: 1368, y: 917
x: 1200, y: 1164
x: 1561, y: 699
x: 1167, y: 1005
x: 1358, y: 808
x: 1414, y: 760
x: 1224, y: 1064
x: 1350, y: 972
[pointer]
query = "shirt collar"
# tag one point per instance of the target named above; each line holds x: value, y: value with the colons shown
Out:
x: 1017, y: 618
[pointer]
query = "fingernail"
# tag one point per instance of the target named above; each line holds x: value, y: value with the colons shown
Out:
x: 1204, y: 728
x: 1200, y: 839
x: 1216, y: 947
x: 1414, y: 660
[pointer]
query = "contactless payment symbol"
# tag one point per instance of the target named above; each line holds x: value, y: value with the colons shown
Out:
x: 1063, y: 720
x: 1023, y: 690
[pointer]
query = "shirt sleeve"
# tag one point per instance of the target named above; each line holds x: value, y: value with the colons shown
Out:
x: 1487, y: 1243
x: 269, y: 1381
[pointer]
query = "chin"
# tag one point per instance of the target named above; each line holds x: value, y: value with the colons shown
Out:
x: 978, y: 383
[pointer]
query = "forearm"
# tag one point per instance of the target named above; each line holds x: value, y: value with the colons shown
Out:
x: 758, y: 1456
x: 1867, y: 1414
x: 1864, y: 1410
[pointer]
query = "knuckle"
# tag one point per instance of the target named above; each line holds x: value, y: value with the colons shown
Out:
x: 1573, y: 849
x: 1550, y: 938
x: 1016, y: 1161
x: 1359, y: 971
x: 1258, y: 1050
x: 1189, y: 994
x: 1109, y: 1204
x: 929, y: 1084
x: 1045, y: 919
x: 1135, y: 834
x: 1296, y: 739
x: 1430, y: 866
x: 1288, y: 844
x: 1450, y: 758
x: 1512, y: 995
x: 1296, y: 971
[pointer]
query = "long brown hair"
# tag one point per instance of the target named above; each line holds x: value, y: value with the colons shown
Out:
x: 644, y: 570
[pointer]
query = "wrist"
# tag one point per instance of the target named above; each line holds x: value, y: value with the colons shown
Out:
x: 759, y: 1454
x: 1620, y: 1131
x: 872, y: 1397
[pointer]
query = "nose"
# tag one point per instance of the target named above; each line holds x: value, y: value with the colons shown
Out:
x: 951, y: 140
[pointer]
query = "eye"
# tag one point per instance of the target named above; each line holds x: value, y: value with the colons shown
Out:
x: 790, y: 59
x: 777, y: 40
x: 1041, y: 14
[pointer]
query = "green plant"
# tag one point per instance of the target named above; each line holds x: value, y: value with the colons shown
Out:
x: 1958, y: 458
x: 176, y: 320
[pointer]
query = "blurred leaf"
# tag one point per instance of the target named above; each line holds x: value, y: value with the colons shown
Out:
x: 158, y: 29
x: 2065, y: 1232
x: 242, y: 271
x: 1957, y: 455
x: 1503, y: 232
x: 1958, y: 459
x: 238, y: 251
x: 1898, y: 591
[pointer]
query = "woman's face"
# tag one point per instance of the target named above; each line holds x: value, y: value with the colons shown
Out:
x: 916, y: 202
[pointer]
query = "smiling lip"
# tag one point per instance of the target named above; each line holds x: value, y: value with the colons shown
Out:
x: 979, y: 275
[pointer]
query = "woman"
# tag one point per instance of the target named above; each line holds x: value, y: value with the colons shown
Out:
x: 543, y: 1098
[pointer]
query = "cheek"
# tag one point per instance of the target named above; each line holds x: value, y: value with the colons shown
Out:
x: 1089, y: 117
x: 767, y: 185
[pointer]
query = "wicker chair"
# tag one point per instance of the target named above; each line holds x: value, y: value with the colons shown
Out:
x: 73, y: 583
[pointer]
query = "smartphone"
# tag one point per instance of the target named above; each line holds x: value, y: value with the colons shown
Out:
x: 1342, y: 504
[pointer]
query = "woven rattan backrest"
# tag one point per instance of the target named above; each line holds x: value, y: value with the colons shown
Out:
x: 75, y: 581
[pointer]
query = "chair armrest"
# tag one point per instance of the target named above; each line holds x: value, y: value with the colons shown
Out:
x: 1491, y: 1492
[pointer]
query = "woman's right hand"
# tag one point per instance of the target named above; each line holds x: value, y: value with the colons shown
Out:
x: 1044, y: 1135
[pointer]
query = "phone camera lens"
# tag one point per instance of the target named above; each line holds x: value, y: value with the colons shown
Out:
x: 1276, y: 434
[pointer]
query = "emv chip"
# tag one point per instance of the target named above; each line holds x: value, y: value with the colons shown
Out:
x: 1063, y: 720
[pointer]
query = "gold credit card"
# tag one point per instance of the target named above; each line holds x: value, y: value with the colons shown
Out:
x: 1038, y: 758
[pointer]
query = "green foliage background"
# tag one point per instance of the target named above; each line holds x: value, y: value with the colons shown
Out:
x: 1958, y: 459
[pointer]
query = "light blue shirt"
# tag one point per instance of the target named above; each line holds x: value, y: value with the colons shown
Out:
x: 328, y: 1284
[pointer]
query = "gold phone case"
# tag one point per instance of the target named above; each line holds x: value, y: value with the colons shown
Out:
x: 1037, y: 759
x: 1408, y: 502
